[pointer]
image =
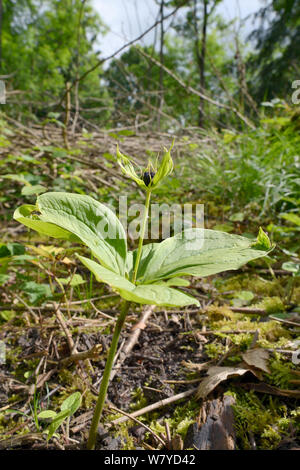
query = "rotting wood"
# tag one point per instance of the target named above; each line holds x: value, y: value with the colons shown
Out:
x: 214, y: 429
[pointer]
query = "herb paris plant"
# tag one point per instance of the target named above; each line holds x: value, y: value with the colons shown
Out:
x: 149, y: 274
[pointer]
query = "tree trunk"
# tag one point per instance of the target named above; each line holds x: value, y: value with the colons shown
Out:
x: 161, y: 59
x: 1, y: 20
x: 201, y: 53
x: 202, y: 61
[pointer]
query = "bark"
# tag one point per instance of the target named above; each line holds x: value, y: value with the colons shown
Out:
x: 215, y: 427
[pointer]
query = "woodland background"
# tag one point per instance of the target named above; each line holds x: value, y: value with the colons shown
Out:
x: 231, y: 100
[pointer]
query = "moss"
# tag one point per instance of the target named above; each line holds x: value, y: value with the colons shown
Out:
x: 271, y: 333
x: 74, y: 383
x: 126, y: 438
x: 183, y: 416
x: 280, y: 375
x: 243, y: 340
x: 216, y: 313
x: 250, y: 282
x: 295, y: 299
x: 214, y: 350
x: 266, y: 423
x: 270, y: 438
x: 271, y: 305
x: 139, y: 399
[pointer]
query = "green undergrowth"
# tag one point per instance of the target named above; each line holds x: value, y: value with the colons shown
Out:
x: 262, y: 422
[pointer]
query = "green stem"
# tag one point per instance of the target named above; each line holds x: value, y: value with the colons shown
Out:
x: 140, y: 247
x: 106, y: 376
x: 115, y: 339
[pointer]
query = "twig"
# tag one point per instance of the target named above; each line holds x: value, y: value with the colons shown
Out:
x: 92, y: 353
x: 129, y: 416
x: 36, y: 318
x: 132, y: 340
x: 249, y: 311
x: 63, y: 324
x: 283, y: 320
x: 158, y: 404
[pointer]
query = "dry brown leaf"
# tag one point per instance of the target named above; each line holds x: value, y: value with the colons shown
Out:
x: 257, y: 358
x: 217, y: 375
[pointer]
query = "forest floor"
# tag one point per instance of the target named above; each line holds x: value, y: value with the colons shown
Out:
x: 222, y: 376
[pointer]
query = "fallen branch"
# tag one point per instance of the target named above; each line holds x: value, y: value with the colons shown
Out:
x: 155, y: 406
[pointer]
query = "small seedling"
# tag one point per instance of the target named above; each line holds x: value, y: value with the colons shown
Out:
x: 68, y: 407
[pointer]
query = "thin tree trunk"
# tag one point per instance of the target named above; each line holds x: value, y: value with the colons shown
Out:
x: 76, y: 116
x: 1, y: 21
x: 202, y: 61
x: 201, y: 55
x: 161, y: 59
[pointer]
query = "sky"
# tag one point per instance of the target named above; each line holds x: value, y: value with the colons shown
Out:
x: 127, y: 19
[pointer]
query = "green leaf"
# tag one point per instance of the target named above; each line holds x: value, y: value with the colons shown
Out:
x: 7, y: 315
x: 175, y: 281
x: 69, y: 406
x: 102, y: 274
x: 128, y: 168
x: 165, y: 168
x: 293, y: 218
x: 36, y: 292
x: 46, y: 414
x: 237, y: 217
x: 153, y: 294
x: 11, y: 249
x: 147, y: 253
x: 14, y: 177
x: 24, y: 215
x: 92, y: 222
x: 229, y: 227
x: 57, y: 421
x: 197, y: 252
x: 262, y: 242
x: 3, y: 278
x: 73, y: 281
x: 142, y: 294
x: 292, y: 267
x: 72, y: 403
x: 31, y: 190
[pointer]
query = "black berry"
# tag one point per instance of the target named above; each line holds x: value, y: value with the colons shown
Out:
x: 148, y: 177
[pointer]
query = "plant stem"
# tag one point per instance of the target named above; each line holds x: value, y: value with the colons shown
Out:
x: 115, y: 339
x: 106, y: 376
x: 140, y: 247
